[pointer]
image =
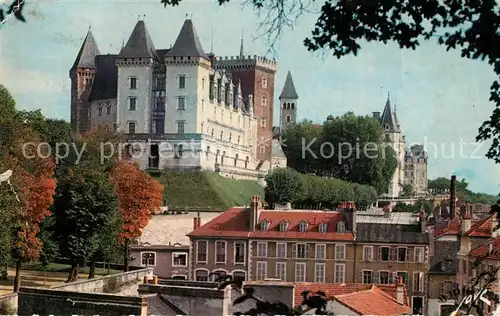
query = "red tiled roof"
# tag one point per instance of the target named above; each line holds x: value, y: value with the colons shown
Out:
x: 482, y: 228
x: 234, y: 223
x: 332, y: 289
x: 489, y: 250
x: 372, y: 302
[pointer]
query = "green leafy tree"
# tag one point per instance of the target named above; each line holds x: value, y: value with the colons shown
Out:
x: 295, y: 139
x: 85, y: 203
x: 407, y: 190
x: 50, y: 247
x: 284, y: 185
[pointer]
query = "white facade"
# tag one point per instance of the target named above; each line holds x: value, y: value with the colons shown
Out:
x: 397, y: 142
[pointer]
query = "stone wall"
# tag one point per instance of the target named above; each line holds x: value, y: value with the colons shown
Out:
x: 42, y: 302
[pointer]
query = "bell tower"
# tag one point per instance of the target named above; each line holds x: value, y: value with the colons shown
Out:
x: 288, y: 104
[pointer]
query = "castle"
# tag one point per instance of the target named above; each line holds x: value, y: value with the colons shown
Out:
x: 180, y: 108
x: 411, y: 163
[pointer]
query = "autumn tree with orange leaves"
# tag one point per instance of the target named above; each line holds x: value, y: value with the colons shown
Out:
x: 33, y: 182
x: 138, y: 196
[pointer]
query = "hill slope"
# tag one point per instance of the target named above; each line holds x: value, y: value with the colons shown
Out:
x: 207, y: 189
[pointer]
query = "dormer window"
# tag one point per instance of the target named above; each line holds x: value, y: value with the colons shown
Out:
x: 322, y: 227
x: 303, y: 226
x: 283, y: 226
x: 340, y: 227
x: 264, y: 225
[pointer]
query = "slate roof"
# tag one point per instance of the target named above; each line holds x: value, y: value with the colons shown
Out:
x: 289, y: 91
x: 235, y: 223
x: 105, y: 82
x: 391, y: 233
x: 388, y: 117
x: 88, y: 52
x: 445, y: 259
x: 277, y: 151
x: 187, y: 43
x: 139, y: 44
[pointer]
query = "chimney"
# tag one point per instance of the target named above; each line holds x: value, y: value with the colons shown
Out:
x: 400, y: 291
x: 376, y: 115
x: 422, y: 220
x: 254, y: 211
x: 196, y: 221
x: 453, y: 196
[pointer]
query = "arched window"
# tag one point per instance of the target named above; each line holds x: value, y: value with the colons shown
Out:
x: 221, y: 135
x: 303, y: 227
x: 246, y: 162
x: 340, y: 227
x: 293, y: 106
x: 230, y: 137
x: 208, y: 150
x: 108, y: 109
x: 178, y: 151
x: 283, y: 226
x: 288, y: 106
x: 239, y: 275
x: 222, y: 158
x: 264, y: 225
x: 201, y: 275
x: 284, y: 106
x: 212, y: 132
x: 235, y: 159
x: 217, y: 273
x: 288, y: 118
x: 322, y: 227
x: 202, y: 127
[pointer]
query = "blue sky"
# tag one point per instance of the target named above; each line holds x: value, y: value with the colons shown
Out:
x: 441, y: 99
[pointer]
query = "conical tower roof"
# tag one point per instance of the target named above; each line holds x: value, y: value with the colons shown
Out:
x: 187, y: 43
x: 388, y: 119
x: 289, y: 91
x: 139, y: 44
x: 88, y: 52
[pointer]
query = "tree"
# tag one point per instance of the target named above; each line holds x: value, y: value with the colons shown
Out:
x: 284, y: 184
x: 85, y: 203
x: 138, y: 196
x: 407, y: 190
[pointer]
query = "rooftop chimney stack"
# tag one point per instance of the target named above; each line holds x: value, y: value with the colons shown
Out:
x: 196, y: 221
x: 453, y: 196
x: 253, y: 217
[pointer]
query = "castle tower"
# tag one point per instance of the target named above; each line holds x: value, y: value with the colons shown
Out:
x: 257, y: 77
x: 188, y: 82
x: 135, y: 81
x: 288, y: 104
x: 393, y: 136
x: 82, y: 74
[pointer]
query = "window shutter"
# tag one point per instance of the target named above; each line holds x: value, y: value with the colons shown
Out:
x: 409, y: 254
x: 364, y: 253
x: 307, y: 250
x: 393, y: 254
x: 380, y: 254
x: 422, y: 280
x: 294, y: 251
x: 376, y: 277
x: 375, y: 253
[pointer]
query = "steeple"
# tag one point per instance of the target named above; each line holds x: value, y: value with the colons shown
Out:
x: 139, y: 44
x: 88, y: 52
x: 288, y: 91
x: 388, y: 119
x: 187, y: 43
x: 241, y: 46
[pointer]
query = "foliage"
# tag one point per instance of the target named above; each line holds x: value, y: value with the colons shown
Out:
x: 420, y: 204
x: 138, y: 196
x: 442, y: 185
x: 348, y: 147
x: 50, y: 247
x: 84, y: 205
x: 16, y: 9
x: 314, y: 192
x: 316, y: 302
x: 407, y: 190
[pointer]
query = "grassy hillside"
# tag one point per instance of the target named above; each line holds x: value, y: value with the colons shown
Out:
x: 203, y: 189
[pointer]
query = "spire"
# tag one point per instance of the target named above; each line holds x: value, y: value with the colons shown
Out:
x: 139, y: 43
x: 88, y: 52
x: 187, y: 43
x: 288, y: 91
x: 388, y: 119
x: 241, y: 45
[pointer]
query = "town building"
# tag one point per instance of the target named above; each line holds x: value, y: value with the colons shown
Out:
x: 394, y: 137
x: 182, y: 108
x: 416, y: 169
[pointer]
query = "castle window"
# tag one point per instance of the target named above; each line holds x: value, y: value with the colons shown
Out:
x: 132, y: 103
x: 181, y: 103
x: 221, y: 135
x: 202, y: 83
x: 219, y: 90
x: 263, y: 101
x: 263, y: 122
x: 202, y: 125
x: 108, y: 109
x: 230, y: 137
x: 288, y: 118
x: 182, y: 82
x: 284, y: 106
x: 264, y: 83
x: 238, y: 139
x: 212, y: 134
x: 181, y: 127
x: 288, y: 106
x: 222, y: 158
x: 293, y: 106
x: 208, y: 150
x: 211, y: 91
x: 99, y: 110
x: 303, y: 227
x: 178, y: 151
x: 131, y: 127
x: 133, y: 83
x: 227, y: 95
x: 246, y: 162
x: 387, y: 137
x: 235, y: 159
x: 160, y: 83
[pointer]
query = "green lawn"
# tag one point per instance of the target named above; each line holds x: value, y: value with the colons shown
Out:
x: 207, y: 189
x: 56, y: 267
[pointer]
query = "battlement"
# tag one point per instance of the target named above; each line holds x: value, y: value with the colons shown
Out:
x: 244, y: 62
